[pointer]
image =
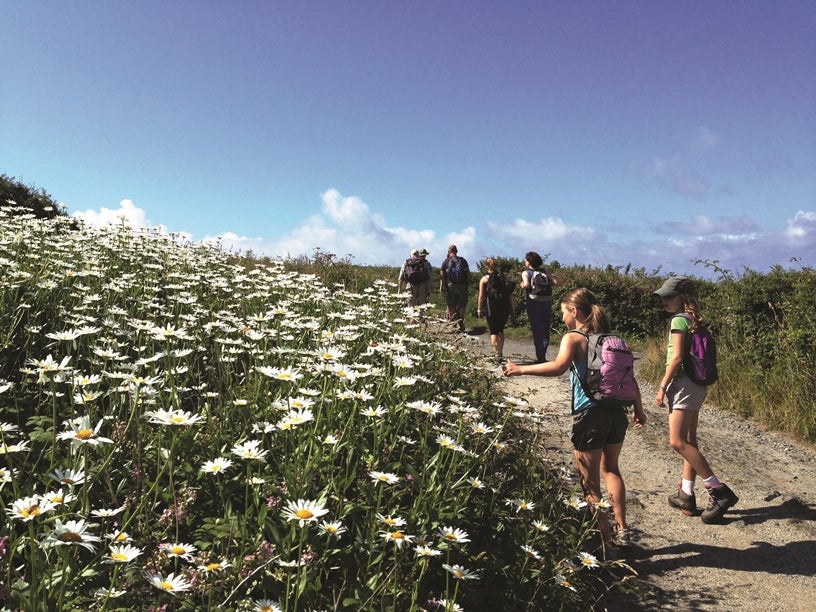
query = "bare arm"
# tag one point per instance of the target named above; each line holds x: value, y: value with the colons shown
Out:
x: 567, y: 353
x: 673, y: 366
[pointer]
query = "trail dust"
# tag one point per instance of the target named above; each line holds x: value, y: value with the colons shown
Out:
x: 762, y: 556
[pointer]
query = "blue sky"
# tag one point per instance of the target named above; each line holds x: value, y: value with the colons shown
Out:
x: 650, y: 133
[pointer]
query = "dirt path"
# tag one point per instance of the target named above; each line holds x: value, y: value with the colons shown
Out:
x: 763, y: 555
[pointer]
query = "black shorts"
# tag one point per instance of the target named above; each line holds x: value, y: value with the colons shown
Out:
x: 598, y: 426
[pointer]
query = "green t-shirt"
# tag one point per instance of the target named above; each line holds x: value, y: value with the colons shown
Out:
x: 679, y: 323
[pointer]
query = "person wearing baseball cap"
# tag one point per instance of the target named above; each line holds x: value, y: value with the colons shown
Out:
x: 684, y: 399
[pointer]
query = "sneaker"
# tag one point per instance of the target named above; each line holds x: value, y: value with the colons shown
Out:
x: 685, y: 502
x: 623, y: 538
x: 720, y: 499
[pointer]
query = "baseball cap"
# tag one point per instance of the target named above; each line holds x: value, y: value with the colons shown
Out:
x: 424, y: 252
x: 675, y: 285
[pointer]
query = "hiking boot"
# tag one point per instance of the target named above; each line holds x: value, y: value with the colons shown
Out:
x: 720, y: 499
x: 685, y: 502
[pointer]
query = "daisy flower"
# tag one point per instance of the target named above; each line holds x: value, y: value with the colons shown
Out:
x: 541, y: 526
x: 304, y: 511
x: 427, y: 551
x: 520, y: 504
x: 296, y: 417
x: 460, y: 573
x: 29, y: 508
x: 68, y: 477
x: 397, y: 537
x: 282, y: 374
x: 429, y: 408
x: 449, y: 534
x: 450, y: 606
x: 481, y: 428
x: 181, y: 551
x: 173, y: 417
x: 385, y: 477
x: 476, y: 483
x: 267, y: 605
x: 210, y: 568
x: 575, y: 502
x: 118, y: 537
x: 404, y: 381
x: 71, y: 533
x: 391, y: 521
x: 334, y: 528
x: 562, y: 580
x: 170, y: 583
x: 108, y: 512
x: 531, y: 552
x: 122, y: 553
x: 588, y: 560
x: 330, y: 439
x: 216, y: 466
x: 375, y: 412
x: 81, y: 432
x: 7, y: 475
x: 250, y: 450
x: 57, y: 497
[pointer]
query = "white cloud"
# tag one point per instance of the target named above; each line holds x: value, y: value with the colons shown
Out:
x: 127, y: 212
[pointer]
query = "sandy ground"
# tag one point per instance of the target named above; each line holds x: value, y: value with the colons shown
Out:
x: 763, y: 554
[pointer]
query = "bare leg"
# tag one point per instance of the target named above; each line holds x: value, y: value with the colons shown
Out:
x: 683, y: 439
x: 589, y: 467
x: 615, y: 487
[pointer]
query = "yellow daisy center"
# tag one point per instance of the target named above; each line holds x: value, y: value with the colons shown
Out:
x: 177, y: 419
x: 85, y: 434
x: 30, y: 511
x: 213, y: 566
x: 117, y: 556
x: 397, y: 535
x: 167, y: 586
x: 304, y: 514
x: 449, y: 535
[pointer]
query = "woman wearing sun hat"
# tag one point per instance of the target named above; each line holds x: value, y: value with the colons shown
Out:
x: 684, y: 399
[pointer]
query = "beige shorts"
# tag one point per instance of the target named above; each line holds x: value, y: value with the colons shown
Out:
x: 683, y: 394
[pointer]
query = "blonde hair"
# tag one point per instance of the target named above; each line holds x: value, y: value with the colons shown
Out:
x: 490, y: 265
x: 595, y: 319
x: 692, y: 307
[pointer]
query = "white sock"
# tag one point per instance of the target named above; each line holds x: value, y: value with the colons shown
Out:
x: 688, y: 487
x: 711, y: 482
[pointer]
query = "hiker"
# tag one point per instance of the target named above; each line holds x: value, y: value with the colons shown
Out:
x: 415, y: 276
x: 496, y: 303
x: 538, y: 284
x: 453, y: 284
x: 423, y: 255
x: 684, y: 399
x: 597, y: 431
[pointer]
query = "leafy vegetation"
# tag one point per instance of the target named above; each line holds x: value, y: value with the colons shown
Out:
x: 181, y: 430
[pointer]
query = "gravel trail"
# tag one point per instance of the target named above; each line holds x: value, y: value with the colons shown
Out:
x: 763, y: 554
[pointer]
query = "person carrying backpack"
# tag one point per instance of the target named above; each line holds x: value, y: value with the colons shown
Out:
x: 496, y: 302
x: 453, y: 284
x: 538, y: 285
x: 598, y: 430
x: 684, y: 398
x: 415, y: 276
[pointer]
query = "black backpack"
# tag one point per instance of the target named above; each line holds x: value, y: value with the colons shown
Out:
x: 540, y: 284
x: 498, y: 287
x: 415, y: 271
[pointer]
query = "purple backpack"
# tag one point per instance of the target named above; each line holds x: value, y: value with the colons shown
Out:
x: 610, y: 377
x: 700, y: 355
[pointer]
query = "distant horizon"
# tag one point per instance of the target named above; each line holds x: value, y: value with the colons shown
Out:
x: 642, y: 133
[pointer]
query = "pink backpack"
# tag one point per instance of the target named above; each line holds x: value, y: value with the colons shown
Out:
x: 610, y: 378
